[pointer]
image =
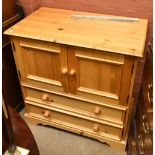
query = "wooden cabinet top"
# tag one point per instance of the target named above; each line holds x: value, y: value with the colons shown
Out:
x: 57, y: 25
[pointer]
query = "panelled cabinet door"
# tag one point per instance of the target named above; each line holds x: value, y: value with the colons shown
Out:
x: 42, y: 64
x: 99, y: 75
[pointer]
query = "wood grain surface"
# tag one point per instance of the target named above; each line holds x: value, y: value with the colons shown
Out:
x: 56, y: 25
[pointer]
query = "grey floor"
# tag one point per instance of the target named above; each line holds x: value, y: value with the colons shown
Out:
x: 52, y: 141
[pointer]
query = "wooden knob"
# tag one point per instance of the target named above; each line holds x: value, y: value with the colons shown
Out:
x: 45, y: 97
x: 96, y: 128
x: 97, y: 110
x: 46, y: 114
x: 64, y: 71
x: 72, y: 72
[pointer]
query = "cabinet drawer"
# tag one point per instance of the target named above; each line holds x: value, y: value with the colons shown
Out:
x: 74, y: 121
x: 98, y: 110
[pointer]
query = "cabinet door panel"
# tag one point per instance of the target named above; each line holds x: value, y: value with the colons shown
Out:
x: 42, y: 63
x: 98, y: 75
x: 98, y: 72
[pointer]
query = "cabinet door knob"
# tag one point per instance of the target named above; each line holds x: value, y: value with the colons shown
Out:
x: 96, y: 128
x: 72, y: 72
x: 46, y: 114
x: 97, y: 110
x: 45, y: 97
x: 64, y: 71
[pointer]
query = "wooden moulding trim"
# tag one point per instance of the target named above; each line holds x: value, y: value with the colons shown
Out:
x: 118, y: 107
x: 111, y: 120
x: 53, y: 40
x: 99, y: 93
x: 11, y: 20
x: 73, y: 114
x: 99, y: 59
x: 38, y: 48
x: 44, y: 80
x: 110, y: 141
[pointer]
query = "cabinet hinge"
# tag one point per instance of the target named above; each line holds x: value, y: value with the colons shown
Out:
x: 19, y: 75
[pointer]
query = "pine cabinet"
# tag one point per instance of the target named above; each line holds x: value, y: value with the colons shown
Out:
x: 78, y: 74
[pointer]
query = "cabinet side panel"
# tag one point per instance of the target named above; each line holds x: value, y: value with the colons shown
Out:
x: 126, y: 80
x: 15, y: 42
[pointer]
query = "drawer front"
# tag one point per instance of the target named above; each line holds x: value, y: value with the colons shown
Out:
x: 99, y: 111
x: 41, y: 63
x: 74, y: 121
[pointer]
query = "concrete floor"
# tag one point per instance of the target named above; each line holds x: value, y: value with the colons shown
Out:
x: 52, y: 141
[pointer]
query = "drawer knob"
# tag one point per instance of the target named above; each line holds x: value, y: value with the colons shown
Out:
x: 96, y: 128
x: 72, y: 72
x: 45, y: 97
x: 97, y: 110
x: 46, y: 114
x: 64, y: 71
